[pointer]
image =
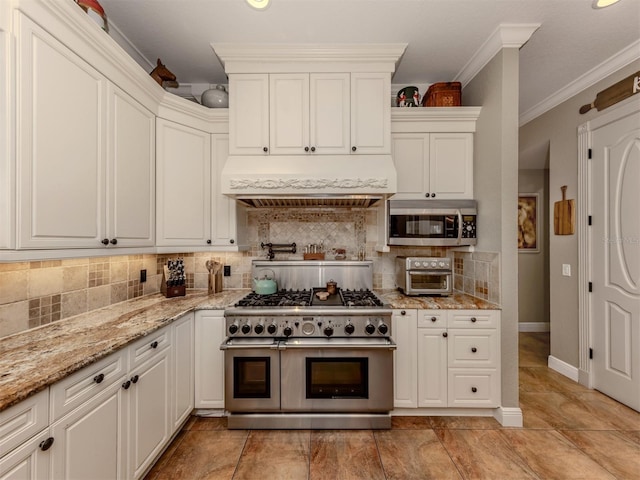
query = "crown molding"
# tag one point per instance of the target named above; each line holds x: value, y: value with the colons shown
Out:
x: 243, y: 58
x: 506, y: 35
x: 620, y: 60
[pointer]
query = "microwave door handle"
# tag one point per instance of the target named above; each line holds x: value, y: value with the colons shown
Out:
x: 459, y: 213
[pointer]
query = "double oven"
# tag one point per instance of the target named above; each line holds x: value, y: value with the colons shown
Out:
x: 295, y: 360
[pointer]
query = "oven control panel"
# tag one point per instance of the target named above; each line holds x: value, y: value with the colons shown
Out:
x: 309, y: 326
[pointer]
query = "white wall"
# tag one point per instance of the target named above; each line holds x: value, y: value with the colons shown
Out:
x: 533, y: 268
x: 495, y: 88
x: 559, y: 126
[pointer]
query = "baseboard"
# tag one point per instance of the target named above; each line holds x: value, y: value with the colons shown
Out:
x: 509, y: 416
x: 563, y: 367
x: 534, y: 327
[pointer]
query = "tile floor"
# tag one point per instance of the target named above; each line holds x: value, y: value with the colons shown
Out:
x: 569, y: 432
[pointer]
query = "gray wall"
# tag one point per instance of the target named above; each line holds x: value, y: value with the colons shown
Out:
x: 533, y: 268
x: 558, y: 126
x: 495, y: 88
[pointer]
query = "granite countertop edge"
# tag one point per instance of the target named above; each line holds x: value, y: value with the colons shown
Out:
x: 33, y: 360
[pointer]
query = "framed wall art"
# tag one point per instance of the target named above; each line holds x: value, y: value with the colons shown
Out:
x: 528, y: 224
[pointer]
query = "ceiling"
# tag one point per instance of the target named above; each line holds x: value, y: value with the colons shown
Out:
x: 442, y: 36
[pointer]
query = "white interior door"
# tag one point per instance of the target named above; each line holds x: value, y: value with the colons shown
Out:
x: 615, y: 259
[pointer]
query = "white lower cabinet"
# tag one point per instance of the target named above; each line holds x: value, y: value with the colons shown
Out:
x: 24, y: 430
x: 456, y: 367
x: 405, y: 390
x: 111, y: 419
x: 209, y: 384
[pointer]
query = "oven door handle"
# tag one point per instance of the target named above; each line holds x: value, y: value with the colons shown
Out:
x: 459, y: 213
x: 225, y: 346
x: 378, y: 346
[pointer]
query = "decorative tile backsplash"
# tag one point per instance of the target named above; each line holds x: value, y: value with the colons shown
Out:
x: 38, y: 293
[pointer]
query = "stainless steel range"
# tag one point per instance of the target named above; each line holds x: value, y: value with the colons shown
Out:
x: 310, y: 356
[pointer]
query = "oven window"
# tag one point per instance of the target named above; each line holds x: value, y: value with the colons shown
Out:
x: 429, y: 281
x: 337, y: 377
x: 251, y: 377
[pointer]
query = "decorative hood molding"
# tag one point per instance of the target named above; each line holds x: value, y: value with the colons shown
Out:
x: 350, y: 178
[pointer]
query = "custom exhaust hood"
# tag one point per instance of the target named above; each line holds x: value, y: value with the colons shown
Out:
x: 334, y: 94
x: 303, y: 181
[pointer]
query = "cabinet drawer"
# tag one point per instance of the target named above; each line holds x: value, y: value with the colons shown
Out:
x: 79, y: 387
x: 147, y: 347
x: 474, y: 388
x: 473, y: 348
x: 20, y: 422
x: 474, y: 318
x: 432, y: 319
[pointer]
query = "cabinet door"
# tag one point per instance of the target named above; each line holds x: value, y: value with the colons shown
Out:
x: 329, y: 109
x: 149, y: 411
x: 28, y: 461
x: 61, y: 145
x: 183, y: 367
x: 451, y: 165
x: 90, y: 442
x: 432, y: 367
x: 183, y: 165
x: 289, y: 113
x: 210, y: 334
x: 131, y: 171
x: 410, y: 152
x: 370, y: 113
x: 249, y: 114
x: 226, y: 230
x: 405, y: 359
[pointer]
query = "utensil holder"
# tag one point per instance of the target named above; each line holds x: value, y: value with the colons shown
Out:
x: 215, y: 282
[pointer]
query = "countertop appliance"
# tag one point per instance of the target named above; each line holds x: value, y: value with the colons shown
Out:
x: 293, y: 360
x: 432, y: 222
x: 424, y: 275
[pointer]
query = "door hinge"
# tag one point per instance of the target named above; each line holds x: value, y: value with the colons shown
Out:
x: 591, y: 354
x: 590, y: 219
x: 590, y: 286
x: 590, y: 154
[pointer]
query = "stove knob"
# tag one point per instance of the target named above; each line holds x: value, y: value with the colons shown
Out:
x: 370, y: 329
x: 328, y: 331
x: 349, y: 328
x: 246, y: 328
x: 417, y: 264
x: 233, y: 328
x: 287, y: 331
x: 433, y: 264
x: 382, y: 328
x: 272, y: 328
x: 259, y: 328
x: 441, y: 264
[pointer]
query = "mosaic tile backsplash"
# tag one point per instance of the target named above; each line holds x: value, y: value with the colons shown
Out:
x: 37, y: 293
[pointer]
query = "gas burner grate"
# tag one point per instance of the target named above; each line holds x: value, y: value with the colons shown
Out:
x: 361, y: 298
x: 282, y: 298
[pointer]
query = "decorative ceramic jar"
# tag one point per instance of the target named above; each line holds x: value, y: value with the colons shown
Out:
x: 215, y: 97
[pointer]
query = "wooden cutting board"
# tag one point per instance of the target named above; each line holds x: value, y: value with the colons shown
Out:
x: 564, y: 215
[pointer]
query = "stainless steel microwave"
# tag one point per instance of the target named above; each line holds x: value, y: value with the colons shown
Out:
x: 432, y: 222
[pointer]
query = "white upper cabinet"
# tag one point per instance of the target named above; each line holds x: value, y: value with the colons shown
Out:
x: 309, y: 113
x: 432, y: 149
x: 85, y: 152
x: 370, y: 113
x: 249, y: 114
x: 130, y: 171
x: 183, y: 164
x: 322, y: 99
x: 61, y: 108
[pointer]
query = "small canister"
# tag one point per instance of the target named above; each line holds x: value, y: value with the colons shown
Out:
x: 332, y: 287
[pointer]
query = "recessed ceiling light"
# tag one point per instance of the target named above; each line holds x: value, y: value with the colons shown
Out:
x: 603, y: 3
x: 262, y: 4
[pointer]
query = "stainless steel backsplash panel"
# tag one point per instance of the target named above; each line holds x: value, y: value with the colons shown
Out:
x: 300, y: 274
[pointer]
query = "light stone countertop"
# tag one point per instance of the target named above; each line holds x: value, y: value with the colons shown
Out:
x: 31, y: 361
x: 456, y: 301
